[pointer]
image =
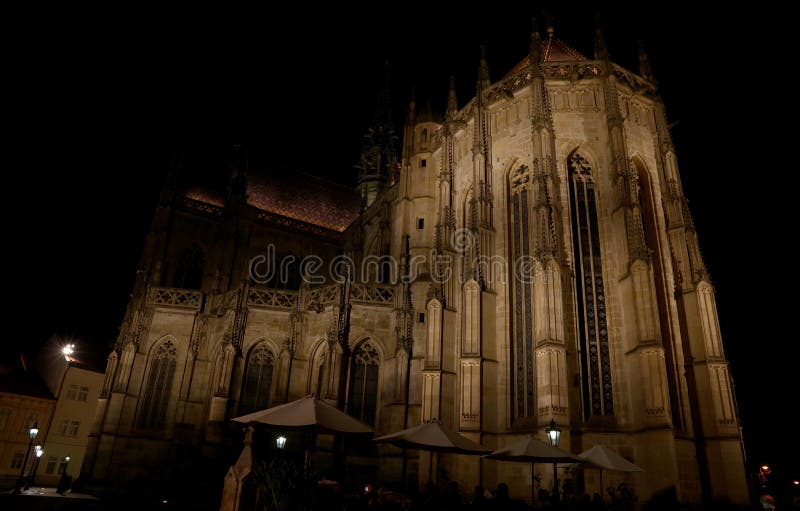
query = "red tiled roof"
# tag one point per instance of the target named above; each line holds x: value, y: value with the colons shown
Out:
x: 295, y: 195
x: 553, y: 50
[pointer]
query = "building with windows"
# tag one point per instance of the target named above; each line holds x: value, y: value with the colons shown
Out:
x: 528, y: 257
x: 24, y: 401
x: 76, y: 387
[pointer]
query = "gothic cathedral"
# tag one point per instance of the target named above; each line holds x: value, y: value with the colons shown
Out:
x: 530, y: 257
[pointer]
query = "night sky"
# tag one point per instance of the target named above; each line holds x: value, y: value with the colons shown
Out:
x: 97, y: 105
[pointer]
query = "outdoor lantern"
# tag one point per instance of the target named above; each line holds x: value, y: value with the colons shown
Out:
x: 39, y: 451
x: 33, y: 431
x: 553, y: 433
x: 280, y: 442
x: 67, y: 458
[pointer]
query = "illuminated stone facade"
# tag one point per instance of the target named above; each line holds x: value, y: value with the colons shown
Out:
x: 556, y: 274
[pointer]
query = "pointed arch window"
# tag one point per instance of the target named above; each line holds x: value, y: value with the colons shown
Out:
x: 593, y: 328
x: 189, y: 271
x: 363, y: 402
x: 524, y: 369
x: 257, y: 380
x: 153, y: 412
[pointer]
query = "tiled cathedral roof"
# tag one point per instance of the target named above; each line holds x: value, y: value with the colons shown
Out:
x: 554, y: 50
x: 297, y: 196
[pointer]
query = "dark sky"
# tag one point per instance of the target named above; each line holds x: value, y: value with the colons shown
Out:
x: 99, y: 100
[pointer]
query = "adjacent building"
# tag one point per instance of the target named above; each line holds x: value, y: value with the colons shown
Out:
x: 25, y: 401
x: 529, y: 257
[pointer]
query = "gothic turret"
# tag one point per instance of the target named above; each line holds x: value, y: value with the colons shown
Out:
x: 378, y: 163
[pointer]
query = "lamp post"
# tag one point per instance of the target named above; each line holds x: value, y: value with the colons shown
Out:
x: 38, y: 451
x: 32, y: 432
x: 554, y: 438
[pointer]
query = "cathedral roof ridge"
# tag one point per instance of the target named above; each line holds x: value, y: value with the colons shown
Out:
x: 293, y: 194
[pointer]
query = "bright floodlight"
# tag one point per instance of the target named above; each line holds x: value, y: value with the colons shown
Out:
x: 280, y: 442
x: 68, y: 350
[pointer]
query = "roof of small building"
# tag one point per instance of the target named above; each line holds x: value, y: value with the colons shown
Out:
x: 294, y: 195
x: 15, y: 380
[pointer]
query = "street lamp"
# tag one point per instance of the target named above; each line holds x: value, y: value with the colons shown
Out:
x: 280, y: 442
x: 38, y: 451
x: 553, y: 433
x: 67, y: 351
x: 32, y: 432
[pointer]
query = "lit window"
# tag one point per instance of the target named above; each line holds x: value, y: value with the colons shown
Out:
x: 83, y: 394
x: 16, y: 460
x: 72, y: 393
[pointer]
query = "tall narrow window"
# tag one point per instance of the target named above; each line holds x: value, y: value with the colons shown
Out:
x: 363, y: 402
x: 593, y: 329
x: 5, y: 413
x: 189, y: 271
x: 153, y: 412
x: 524, y: 371
x: 257, y: 380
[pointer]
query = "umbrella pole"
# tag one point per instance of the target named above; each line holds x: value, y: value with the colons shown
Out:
x: 602, y: 490
x: 430, y: 467
x: 532, y: 480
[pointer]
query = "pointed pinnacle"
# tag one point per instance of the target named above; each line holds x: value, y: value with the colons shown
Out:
x: 452, y: 99
x: 600, y: 48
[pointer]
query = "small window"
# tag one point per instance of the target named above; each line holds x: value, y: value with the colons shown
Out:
x: 420, y: 223
x: 421, y: 317
x: 32, y: 419
x: 16, y: 460
x: 83, y: 394
x: 5, y: 413
x: 423, y: 163
x: 74, y: 426
x: 72, y: 393
x: 63, y: 427
x: 52, y: 462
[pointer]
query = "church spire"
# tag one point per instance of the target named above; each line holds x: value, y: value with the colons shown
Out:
x: 645, y: 70
x: 452, y: 100
x: 378, y: 162
x: 237, y: 183
x: 483, y: 72
x: 536, y: 47
x: 600, y: 48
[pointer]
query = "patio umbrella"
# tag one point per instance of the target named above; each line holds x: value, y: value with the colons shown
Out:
x: 308, y: 412
x: 433, y: 437
x: 531, y: 450
x: 604, y: 458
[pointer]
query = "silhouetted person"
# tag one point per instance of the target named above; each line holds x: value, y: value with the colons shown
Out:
x: 451, y: 498
x: 479, y: 502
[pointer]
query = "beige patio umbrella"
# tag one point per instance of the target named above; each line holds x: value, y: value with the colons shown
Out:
x: 432, y: 436
x: 530, y: 450
x: 308, y: 413
x: 604, y: 458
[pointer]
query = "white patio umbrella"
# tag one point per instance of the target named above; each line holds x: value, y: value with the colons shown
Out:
x: 604, y: 458
x: 432, y: 436
x: 530, y: 450
x: 308, y: 413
